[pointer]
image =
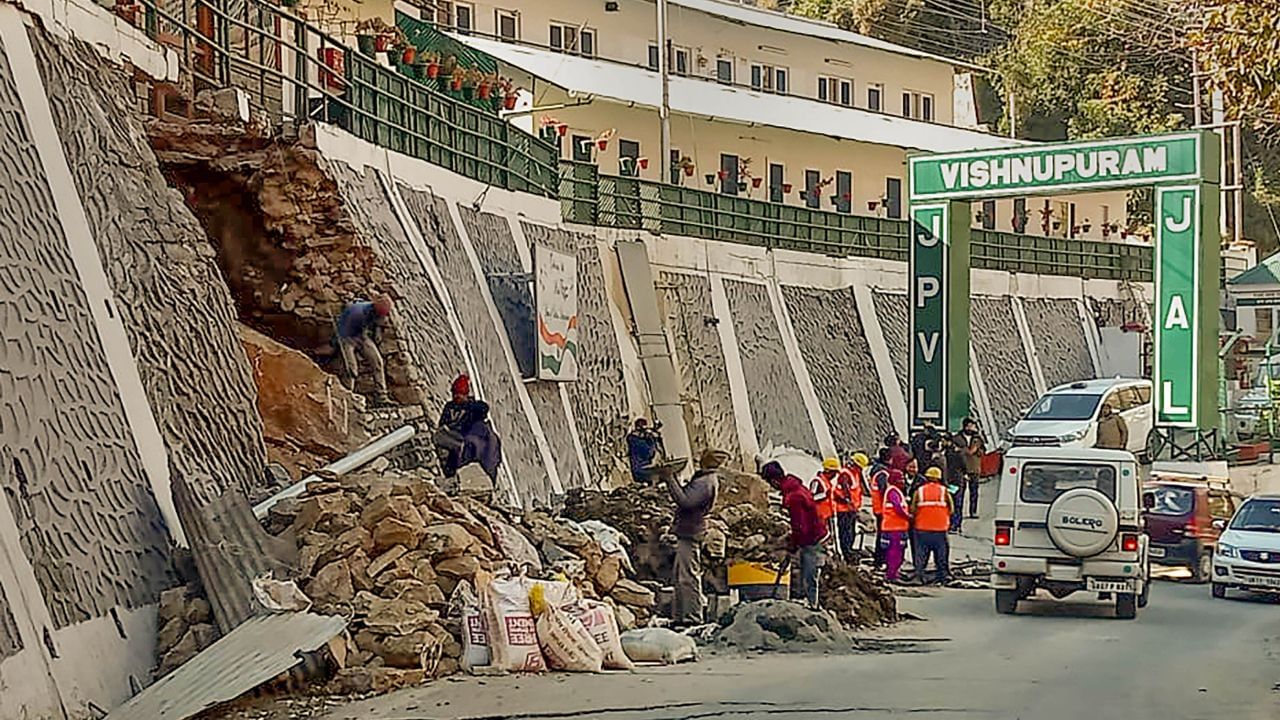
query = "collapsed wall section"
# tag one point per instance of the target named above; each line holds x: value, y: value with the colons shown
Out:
x: 777, y: 408
x: 704, y: 380
x: 175, y: 307
x: 837, y: 355
x: 70, y: 472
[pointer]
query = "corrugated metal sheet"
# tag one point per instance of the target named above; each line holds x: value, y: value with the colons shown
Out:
x: 257, y: 651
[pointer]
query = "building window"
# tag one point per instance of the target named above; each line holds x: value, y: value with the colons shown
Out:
x: 812, y: 178
x: 844, y: 192
x: 875, y: 97
x: 988, y: 214
x: 893, y: 197
x: 582, y: 148
x: 837, y: 91
x: 767, y: 78
x: 677, y: 63
x: 777, y: 176
x: 628, y: 158
x: 677, y: 172
x: 507, y: 23
x: 653, y: 58
x: 456, y: 16
x: 728, y: 174
x: 573, y: 39
x: 724, y: 70
x: 918, y: 106
x: 1020, y: 215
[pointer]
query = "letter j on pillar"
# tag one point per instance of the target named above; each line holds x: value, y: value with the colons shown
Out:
x: 1178, y: 273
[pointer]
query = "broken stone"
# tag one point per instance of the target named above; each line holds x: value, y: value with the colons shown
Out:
x: 332, y: 584
x: 346, y: 544
x: 391, y: 531
x: 474, y: 482
x: 384, y: 561
x: 359, y: 565
x: 417, y: 591
x: 198, y: 611
x: 399, y: 617
x: 173, y: 604
x: 629, y: 592
x: 462, y: 567
x: 608, y: 574
x: 317, y: 512
x: 447, y: 540
x: 362, y: 680
x: 171, y: 633
x: 400, y: 507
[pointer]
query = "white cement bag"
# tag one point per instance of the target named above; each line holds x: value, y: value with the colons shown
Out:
x: 515, y: 547
x: 611, y: 539
x: 513, y: 633
x: 475, y: 630
x: 658, y: 645
x: 565, y: 643
x: 599, y: 620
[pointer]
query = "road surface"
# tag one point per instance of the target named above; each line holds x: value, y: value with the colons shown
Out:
x: 1186, y: 656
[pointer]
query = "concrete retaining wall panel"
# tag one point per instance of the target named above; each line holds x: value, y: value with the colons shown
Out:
x: 838, y: 357
x: 891, y: 309
x: 176, y: 308
x: 509, y: 284
x: 772, y: 390
x: 1059, y: 340
x: 704, y: 381
x: 10, y: 641
x: 1002, y: 358
x: 70, y: 472
x: 599, y: 396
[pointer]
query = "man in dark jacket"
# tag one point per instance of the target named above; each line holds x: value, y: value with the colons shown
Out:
x: 694, y: 501
x: 644, y: 446
x: 807, y: 529
x: 355, y: 332
x: 972, y: 447
x: 465, y: 435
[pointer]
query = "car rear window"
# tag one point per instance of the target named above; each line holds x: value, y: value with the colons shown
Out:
x: 1258, y: 516
x: 1172, y: 500
x: 1044, y: 482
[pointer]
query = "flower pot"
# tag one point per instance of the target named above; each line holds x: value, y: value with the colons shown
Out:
x: 367, y: 44
x: 742, y: 186
x: 710, y: 179
x: 382, y: 43
x: 756, y: 181
x: 482, y: 91
x: 433, y: 70
x: 562, y: 129
x: 688, y: 171
x: 644, y: 163
x: 455, y: 85
x: 409, y: 55
x: 602, y: 144
x: 509, y: 102
x: 786, y: 188
x: 871, y: 205
x: 722, y: 174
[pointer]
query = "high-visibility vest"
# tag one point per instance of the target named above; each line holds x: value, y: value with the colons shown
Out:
x: 877, y: 496
x: 820, y: 487
x: 932, y: 514
x: 848, y: 495
x: 895, y: 521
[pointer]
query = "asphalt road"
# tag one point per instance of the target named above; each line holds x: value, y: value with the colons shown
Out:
x: 1186, y: 656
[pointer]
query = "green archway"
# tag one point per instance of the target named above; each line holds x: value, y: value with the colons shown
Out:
x: 1183, y: 168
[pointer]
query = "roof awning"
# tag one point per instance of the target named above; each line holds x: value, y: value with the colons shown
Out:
x: 704, y: 98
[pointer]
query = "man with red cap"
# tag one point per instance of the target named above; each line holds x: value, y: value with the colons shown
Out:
x: 808, y: 532
x: 356, y: 327
x: 465, y: 435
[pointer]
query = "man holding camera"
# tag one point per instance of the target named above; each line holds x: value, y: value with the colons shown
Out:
x: 644, y: 446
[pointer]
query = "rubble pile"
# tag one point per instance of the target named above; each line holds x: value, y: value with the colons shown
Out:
x: 185, y: 622
x: 856, y: 597
x: 781, y: 625
x: 388, y: 549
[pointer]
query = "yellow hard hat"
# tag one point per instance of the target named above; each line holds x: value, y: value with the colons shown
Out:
x: 831, y: 464
x: 933, y: 473
x: 861, y: 460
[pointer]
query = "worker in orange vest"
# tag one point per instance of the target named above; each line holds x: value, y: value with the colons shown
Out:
x: 896, y: 523
x: 848, y: 498
x: 879, y: 481
x: 823, y: 489
x: 931, y: 508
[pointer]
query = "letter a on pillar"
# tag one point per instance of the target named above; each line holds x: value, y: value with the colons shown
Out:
x: 938, y: 352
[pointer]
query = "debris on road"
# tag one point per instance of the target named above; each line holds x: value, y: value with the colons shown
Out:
x: 785, y: 626
x: 659, y: 645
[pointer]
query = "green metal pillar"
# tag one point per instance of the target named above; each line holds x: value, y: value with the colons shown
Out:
x: 938, y: 294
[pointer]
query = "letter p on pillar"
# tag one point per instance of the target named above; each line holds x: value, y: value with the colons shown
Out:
x: 927, y: 287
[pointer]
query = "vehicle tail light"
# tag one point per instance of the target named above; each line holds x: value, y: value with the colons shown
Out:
x: 1004, y: 536
x: 1129, y: 542
x: 1191, y: 529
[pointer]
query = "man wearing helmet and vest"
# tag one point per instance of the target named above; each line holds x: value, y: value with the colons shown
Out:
x: 847, y: 494
x: 879, y: 483
x: 896, y: 523
x: 823, y: 489
x: 931, y: 507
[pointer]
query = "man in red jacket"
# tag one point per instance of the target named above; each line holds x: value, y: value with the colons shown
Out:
x: 807, y: 529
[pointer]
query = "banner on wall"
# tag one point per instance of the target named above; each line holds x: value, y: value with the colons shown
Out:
x: 556, y: 297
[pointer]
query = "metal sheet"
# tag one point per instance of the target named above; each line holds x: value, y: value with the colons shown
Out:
x: 257, y: 651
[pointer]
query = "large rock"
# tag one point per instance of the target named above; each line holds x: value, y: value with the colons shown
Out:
x: 400, y: 507
x: 447, y: 540
x: 630, y: 592
x: 459, y: 568
x: 391, y: 531
x: 399, y: 617
x: 306, y: 412
x: 321, y: 512
x: 332, y: 584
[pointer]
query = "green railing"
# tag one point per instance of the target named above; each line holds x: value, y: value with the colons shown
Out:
x: 593, y: 199
x: 295, y: 73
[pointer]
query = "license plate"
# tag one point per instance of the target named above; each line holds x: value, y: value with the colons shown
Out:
x: 1099, y: 585
x: 1156, y: 551
x: 1263, y: 580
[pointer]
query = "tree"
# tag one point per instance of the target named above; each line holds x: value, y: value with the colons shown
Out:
x: 1238, y: 44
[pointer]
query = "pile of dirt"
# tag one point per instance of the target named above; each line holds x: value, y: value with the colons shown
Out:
x: 856, y: 597
x: 783, y: 626
x: 185, y: 622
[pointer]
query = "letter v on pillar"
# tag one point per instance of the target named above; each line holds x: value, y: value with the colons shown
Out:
x: 938, y: 352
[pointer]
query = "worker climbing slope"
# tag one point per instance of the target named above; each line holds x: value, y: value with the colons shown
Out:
x: 356, y: 332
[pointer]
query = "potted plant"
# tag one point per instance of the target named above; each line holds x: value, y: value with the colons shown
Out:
x: 509, y: 96
x: 722, y: 174
x: 433, y: 65
x: 686, y: 164
x: 643, y: 163
x: 786, y: 188
x: 1087, y: 226
x: 469, y: 79
x: 484, y: 85
x: 457, y: 79
x: 711, y: 179
x: 871, y: 205
x: 127, y: 10
x: 366, y: 36
x: 742, y: 186
x: 409, y: 56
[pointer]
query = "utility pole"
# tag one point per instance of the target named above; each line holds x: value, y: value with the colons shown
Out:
x: 664, y: 110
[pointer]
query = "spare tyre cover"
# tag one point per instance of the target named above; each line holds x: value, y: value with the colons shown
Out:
x: 1082, y: 522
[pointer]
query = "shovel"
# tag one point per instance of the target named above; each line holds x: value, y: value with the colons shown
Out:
x: 782, y: 570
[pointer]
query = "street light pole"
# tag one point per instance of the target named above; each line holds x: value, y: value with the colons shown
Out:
x: 664, y: 110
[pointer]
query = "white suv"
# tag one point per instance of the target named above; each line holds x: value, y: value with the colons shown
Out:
x: 1248, y: 551
x: 1069, y: 519
x: 1067, y: 416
